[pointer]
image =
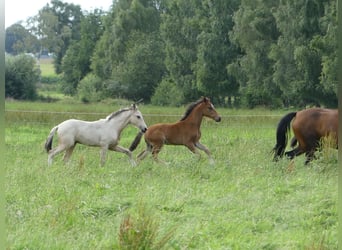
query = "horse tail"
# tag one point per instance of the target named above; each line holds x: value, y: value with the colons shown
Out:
x: 136, y: 141
x: 282, y: 135
x: 48, y: 143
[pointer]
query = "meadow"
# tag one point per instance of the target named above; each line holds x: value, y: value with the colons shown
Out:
x: 243, y: 201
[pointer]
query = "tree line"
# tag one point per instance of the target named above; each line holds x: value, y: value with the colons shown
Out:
x: 274, y: 53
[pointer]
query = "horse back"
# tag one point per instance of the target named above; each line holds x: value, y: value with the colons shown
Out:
x: 84, y: 132
x: 315, y: 123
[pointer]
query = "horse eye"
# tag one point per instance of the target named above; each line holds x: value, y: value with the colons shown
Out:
x: 138, y: 116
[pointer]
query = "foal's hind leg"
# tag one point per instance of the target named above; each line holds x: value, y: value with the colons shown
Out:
x: 156, y: 148
x: 60, y: 148
x: 143, y: 154
x: 68, y: 153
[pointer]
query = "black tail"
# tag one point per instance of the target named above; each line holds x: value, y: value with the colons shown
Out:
x: 282, y: 135
x: 48, y: 143
x: 136, y: 141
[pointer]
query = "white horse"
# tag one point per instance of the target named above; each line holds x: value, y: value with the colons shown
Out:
x: 104, y: 133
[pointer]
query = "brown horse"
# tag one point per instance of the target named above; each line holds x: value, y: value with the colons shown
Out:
x: 184, y: 132
x: 308, y: 126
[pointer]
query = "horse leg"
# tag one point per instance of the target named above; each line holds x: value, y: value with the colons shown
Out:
x: 103, y: 155
x: 206, y: 150
x: 309, y: 156
x: 193, y: 148
x: 145, y: 152
x: 293, y: 153
x: 68, y: 153
x: 120, y: 149
x: 310, y: 152
x: 60, y: 148
x: 155, y: 151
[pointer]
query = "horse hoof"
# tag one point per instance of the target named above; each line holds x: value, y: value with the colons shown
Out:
x: 133, y: 163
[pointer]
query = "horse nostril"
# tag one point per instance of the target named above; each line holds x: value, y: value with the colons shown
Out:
x: 144, y: 130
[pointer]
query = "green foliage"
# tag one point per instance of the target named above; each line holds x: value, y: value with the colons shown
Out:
x: 298, y: 60
x: 77, y: 59
x: 215, y: 50
x: 90, y: 89
x: 268, y: 53
x: 142, y: 68
x: 128, y: 18
x: 179, y: 29
x: 19, y: 40
x: 168, y: 94
x: 50, y: 79
x: 21, y: 77
x: 58, y: 25
x: 253, y: 69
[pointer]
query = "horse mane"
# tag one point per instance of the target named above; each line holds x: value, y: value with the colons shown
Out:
x: 116, y: 113
x: 191, y: 108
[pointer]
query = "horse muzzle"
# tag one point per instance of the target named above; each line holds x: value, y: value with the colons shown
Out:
x: 218, y: 119
x: 144, y: 129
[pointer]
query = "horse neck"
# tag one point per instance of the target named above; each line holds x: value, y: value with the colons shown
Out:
x: 121, y: 121
x: 195, y: 117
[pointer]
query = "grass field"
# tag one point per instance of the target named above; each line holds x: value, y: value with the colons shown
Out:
x: 46, y: 67
x: 244, y: 201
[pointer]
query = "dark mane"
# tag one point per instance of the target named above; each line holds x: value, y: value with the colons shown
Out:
x: 109, y: 117
x: 191, y: 108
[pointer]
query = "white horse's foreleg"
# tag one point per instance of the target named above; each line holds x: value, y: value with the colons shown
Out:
x: 53, y: 152
x: 120, y: 149
x: 206, y: 150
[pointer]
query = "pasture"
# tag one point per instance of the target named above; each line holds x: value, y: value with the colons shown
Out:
x: 244, y: 201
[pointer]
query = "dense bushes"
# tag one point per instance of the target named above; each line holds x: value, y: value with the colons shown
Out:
x: 21, y: 76
x: 89, y: 89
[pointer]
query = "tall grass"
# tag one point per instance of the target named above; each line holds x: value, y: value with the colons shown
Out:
x: 141, y: 232
x: 244, y: 201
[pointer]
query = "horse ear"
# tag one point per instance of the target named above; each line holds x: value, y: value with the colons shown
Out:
x: 134, y: 106
x: 205, y: 99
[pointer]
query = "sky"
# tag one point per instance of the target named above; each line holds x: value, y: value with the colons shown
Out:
x: 20, y: 10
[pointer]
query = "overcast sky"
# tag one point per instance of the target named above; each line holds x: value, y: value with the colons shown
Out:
x: 20, y: 10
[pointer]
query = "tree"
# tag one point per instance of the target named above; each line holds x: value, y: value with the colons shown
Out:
x: 129, y: 55
x: 57, y: 25
x: 77, y: 59
x: 18, y: 40
x: 180, y: 29
x: 215, y: 50
x: 142, y: 68
x: 255, y: 32
x: 298, y: 58
x: 21, y: 76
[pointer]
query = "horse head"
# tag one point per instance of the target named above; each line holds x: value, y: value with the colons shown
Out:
x: 137, y: 119
x: 209, y: 110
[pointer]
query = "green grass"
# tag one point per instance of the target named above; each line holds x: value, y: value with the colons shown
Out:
x: 47, y: 68
x: 244, y: 201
